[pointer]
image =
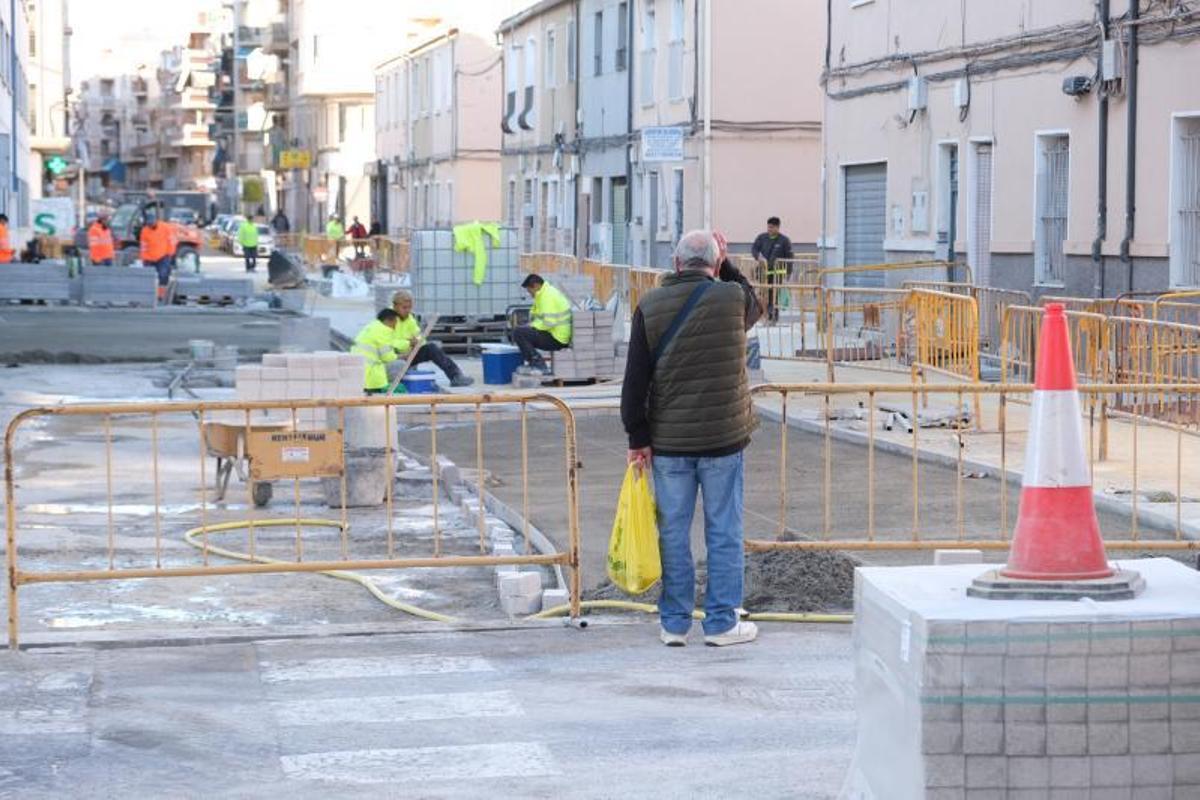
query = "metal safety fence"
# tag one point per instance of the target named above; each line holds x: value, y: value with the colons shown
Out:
x: 161, y: 473
x: 889, y: 474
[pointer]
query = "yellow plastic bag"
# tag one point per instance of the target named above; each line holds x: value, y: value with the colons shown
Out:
x: 633, y: 561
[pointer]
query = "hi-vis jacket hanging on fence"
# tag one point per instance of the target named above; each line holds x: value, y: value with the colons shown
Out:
x: 551, y: 312
x: 469, y: 237
x: 633, y: 559
x: 375, y: 344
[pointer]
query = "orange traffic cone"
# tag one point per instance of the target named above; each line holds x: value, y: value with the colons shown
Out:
x: 1057, y: 535
x: 1056, y: 552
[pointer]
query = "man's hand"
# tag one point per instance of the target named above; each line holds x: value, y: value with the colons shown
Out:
x: 414, y: 342
x: 640, y: 457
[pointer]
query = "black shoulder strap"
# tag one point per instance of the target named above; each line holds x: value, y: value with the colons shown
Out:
x: 680, y: 318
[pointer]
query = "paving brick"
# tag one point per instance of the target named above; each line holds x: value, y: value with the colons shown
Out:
x: 983, y: 738
x: 1112, y: 771
x: 1107, y: 672
x: 982, y: 671
x: 1025, y: 706
x: 1161, y: 793
x: 939, y: 738
x: 1066, y: 739
x: 1149, y: 705
x: 1111, y: 793
x: 986, y: 794
x: 1108, y: 738
x: 521, y: 605
x: 1066, y: 673
x: 1185, y: 668
x: 1099, y: 709
x: 1069, y: 639
x: 1110, y: 639
x: 1064, y: 713
x: 1186, y: 769
x: 1028, y: 639
x: 946, y: 771
x: 1070, y: 772
x: 1027, y: 794
x: 1150, y: 669
x: 555, y: 597
x: 946, y: 637
x: 1153, y: 770
x: 274, y: 359
x: 943, y: 671
x: 942, y: 711
x: 1028, y: 773
x: 1149, y: 737
x: 946, y: 557
x: 1024, y: 672
x: 1024, y: 739
x: 1185, y: 635
x: 1185, y: 701
x: 1185, y: 736
x: 987, y: 637
x: 987, y: 772
x: 944, y: 794
x: 1070, y: 794
x: 521, y: 584
x: 1151, y: 636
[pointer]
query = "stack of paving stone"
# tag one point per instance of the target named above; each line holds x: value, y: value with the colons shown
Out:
x: 46, y: 281
x: 300, y: 376
x: 591, y: 354
x: 120, y: 286
x: 1061, y: 699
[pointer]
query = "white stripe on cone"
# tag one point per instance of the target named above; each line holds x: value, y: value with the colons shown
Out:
x: 1055, y: 456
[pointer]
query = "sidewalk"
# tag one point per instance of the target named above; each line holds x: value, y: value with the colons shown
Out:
x: 542, y: 711
x: 1165, y: 459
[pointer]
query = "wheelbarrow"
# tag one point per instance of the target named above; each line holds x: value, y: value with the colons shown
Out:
x: 226, y: 442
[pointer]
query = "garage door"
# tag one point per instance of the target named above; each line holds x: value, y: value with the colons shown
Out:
x: 866, y: 221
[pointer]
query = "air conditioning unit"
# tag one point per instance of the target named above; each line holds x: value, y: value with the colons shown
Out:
x: 918, y: 93
x: 1077, y: 85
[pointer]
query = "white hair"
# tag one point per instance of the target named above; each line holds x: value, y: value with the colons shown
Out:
x: 697, y: 249
x: 401, y: 296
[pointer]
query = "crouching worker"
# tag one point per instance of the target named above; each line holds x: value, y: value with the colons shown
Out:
x: 375, y: 344
x: 549, y: 325
x: 407, y: 335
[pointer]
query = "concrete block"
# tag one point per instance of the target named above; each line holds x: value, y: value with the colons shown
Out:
x: 1185, y: 635
x: 1150, y: 669
x: 298, y: 390
x: 941, y: 738
x: 273, y: 390
x: 1108, y: 738
x: 247, y: 372
x: 987, y: 637
x: 1149, y: 704
x: 942, y: 557
x: 248, y: 390
x: 1066, y: 674
x: 1185, y: 668
x: 1025, y: 739
x: 505, y: 569
x: 943, y: 671
x: 1028, y: 639
x: 523, y: 583
x: 325, y: 389
x: 1028, y: 773
x: 1163, y: 792
x: 1110, y: 639
x: 1070, y: 794
x: 982, y: 671
x: 555, y: 597
x: 983, y: 738
x: 1112, y: 771
x: 1024, y: 706
x: 987, y: 772
x: 1185, y: 735
x: 1070, y: 772
x: 274, y: 359
x: 1066, y: 713
x: 1101, y: 707
x: 1184, y: 705
x: 1024, y: 672
x: 1108, y: 672
x: 947, y: 637
x: 1153, y: 770
x: 948, y: 771
x: 1066, y: 739
x: 273, y: 374
x: 521, y: 605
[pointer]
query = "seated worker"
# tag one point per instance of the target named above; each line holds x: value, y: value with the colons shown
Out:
x: 549, y: 325
x: 407, y: 335
x: 375, y: 343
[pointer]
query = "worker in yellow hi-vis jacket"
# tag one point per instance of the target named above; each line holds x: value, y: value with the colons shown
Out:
x: 549, y: 325
x: 375, y: 343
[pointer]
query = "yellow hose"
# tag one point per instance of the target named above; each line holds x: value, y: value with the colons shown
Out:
x: 628, y: 605
x: 417, y: 611
x: 344, y: 575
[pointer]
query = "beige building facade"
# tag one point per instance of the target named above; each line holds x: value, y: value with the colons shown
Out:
x: 436, y: 134
x: 1019, y: 138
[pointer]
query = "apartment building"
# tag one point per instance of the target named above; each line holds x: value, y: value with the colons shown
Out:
x: 539, y: 162
x: 15, y: 140
x: 1055, y: 147
x: 185, y: 114
x: 729, y: 151
x: 48, y: 83
x: 436, y: 134
x: 605, y: 76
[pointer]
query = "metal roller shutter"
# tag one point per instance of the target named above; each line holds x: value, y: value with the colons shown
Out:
x: 865, y: 220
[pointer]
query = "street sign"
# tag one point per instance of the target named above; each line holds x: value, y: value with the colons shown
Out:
x: 662, y: 144
x: 53, y: 216
x: 320, y: 194
x: 294, y: 159
x: 56, y: 165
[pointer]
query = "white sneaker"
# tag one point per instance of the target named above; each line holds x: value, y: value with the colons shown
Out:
x: 671, y: 639
x: 740, y: 633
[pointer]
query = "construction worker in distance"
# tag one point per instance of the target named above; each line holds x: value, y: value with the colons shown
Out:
x: 158, y: 249
x: 248, y: 239
x: 100, y: 242
x: 376, y: 344
x: 407, y: 335
x: 768, y: 248
x: 335, y: 233
x: 549, y: 325
x: 6, y: 250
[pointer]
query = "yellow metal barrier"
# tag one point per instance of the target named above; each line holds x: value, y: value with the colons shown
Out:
x: 548, y: 263
x: 391, y: 254
x: 951, y: 271
x: 1154, y: 351
x: 945, y: 333
x: 991, y: 303
x: 154, y: 481
x: 606, y: 278
x: 642, y: 280
x: 829, y: 497
x: 1183, y: 307
x: 1088, y: 333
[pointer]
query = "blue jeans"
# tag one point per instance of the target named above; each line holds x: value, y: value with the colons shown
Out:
x: 676, y: 479
x: 163, y: 267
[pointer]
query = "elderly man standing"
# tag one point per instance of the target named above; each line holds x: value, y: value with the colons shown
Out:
x: 686, y: 408
x: 407, y: 335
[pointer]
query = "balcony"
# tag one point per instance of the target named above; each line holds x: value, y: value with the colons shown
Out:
x: 278, y: 98
x: 252, y: 37
x: 277, y: 38
x: 191, y: 135
x: 195, y: 99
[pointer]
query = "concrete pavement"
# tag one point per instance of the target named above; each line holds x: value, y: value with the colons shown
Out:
x: 546, y: 712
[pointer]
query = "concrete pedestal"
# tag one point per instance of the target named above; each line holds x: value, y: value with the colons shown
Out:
x: 961, y: 696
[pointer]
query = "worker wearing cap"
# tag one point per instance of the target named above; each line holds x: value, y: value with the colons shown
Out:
x: 375, y: 343
x: 407, y: 335
x: 549, y: 325
x: 158, y: 249
x: 100, y: 242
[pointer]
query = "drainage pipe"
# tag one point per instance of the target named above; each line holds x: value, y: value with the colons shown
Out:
x: 1102, y: 163
x: 1131, y: 139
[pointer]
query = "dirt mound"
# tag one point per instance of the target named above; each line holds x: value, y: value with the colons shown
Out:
x: 781, y: 580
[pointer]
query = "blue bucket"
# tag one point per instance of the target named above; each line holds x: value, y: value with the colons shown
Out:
x: 499, y: 363
x: 419, y: 381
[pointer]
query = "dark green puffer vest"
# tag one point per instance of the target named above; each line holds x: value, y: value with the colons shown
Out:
x: 699, y: 396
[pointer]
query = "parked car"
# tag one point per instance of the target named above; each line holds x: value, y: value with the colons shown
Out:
x: 266, y: 240
x: 183, y: 215
x: 229, y: 232
x: 218, y: 222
